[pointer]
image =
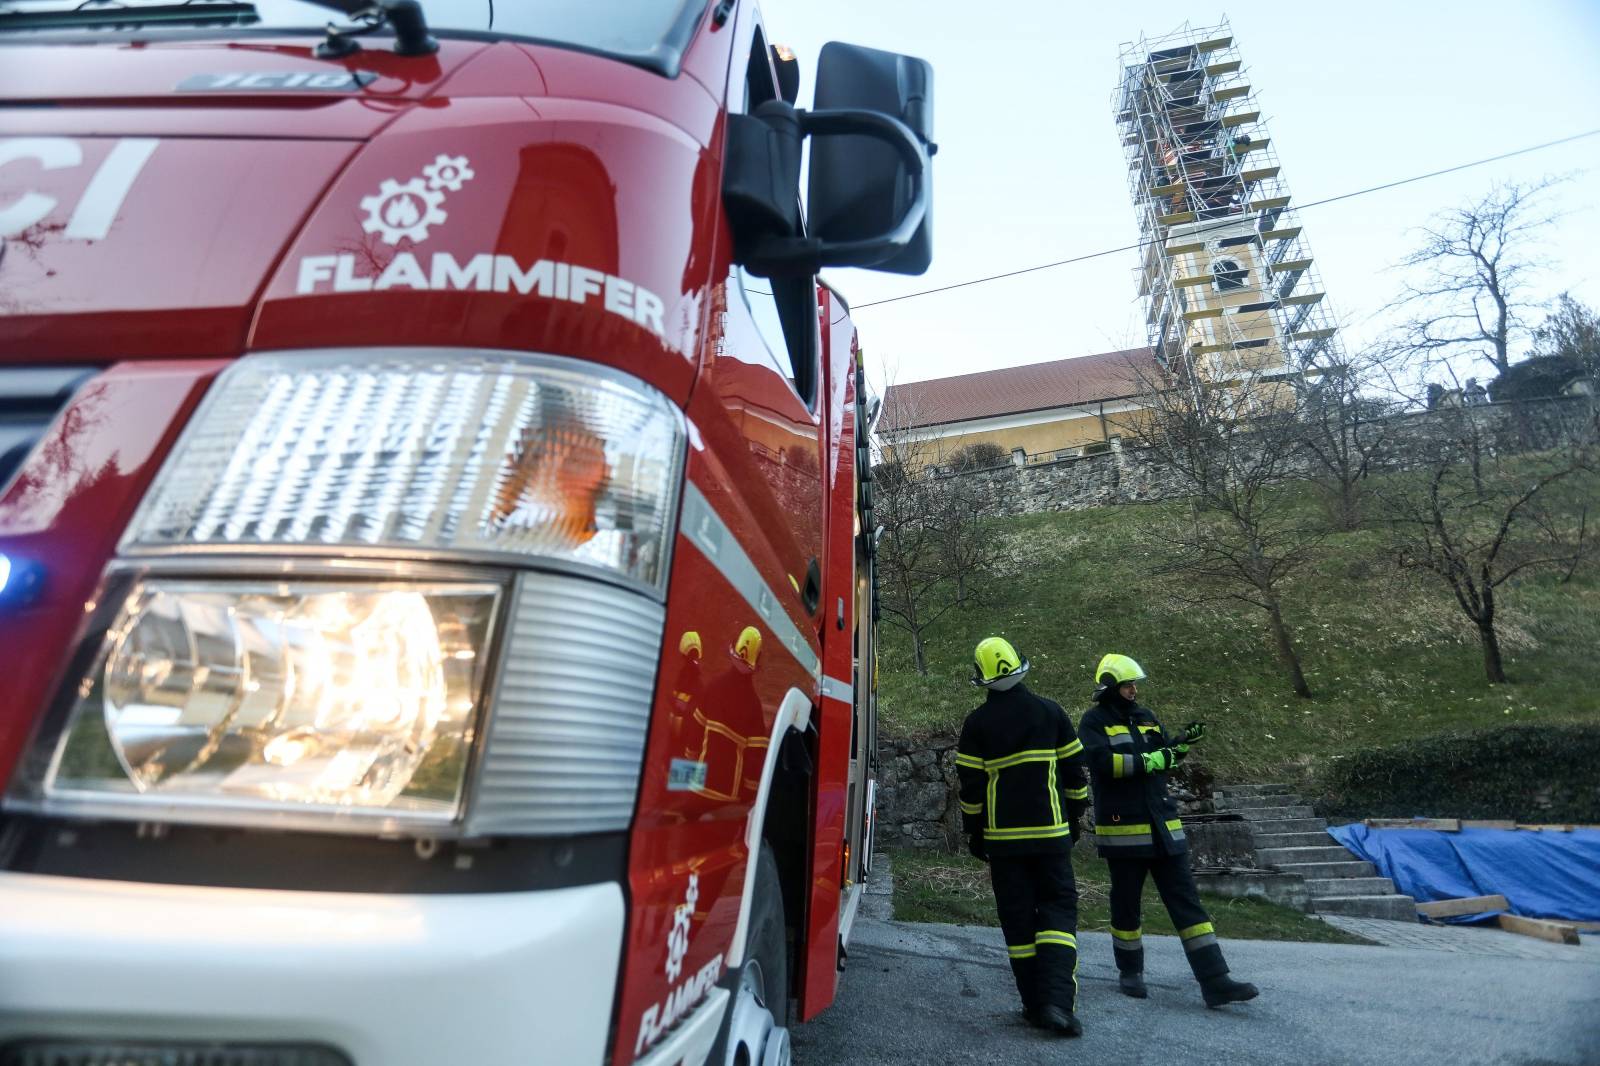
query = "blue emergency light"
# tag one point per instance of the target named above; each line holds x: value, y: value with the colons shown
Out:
x: 19, y: 581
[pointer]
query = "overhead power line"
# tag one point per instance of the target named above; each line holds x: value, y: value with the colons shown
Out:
x: 1229, y: 222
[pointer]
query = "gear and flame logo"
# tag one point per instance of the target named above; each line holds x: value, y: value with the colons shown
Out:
x: 406, y: 209
x: 678, y: 938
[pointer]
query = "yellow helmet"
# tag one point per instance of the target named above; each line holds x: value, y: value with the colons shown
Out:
x: 996, y: 664
x: 748, y: 646
x: 689, y: 645
x: 1119, y: 669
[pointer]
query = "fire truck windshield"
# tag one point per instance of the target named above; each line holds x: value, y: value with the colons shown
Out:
x: 649, y: 33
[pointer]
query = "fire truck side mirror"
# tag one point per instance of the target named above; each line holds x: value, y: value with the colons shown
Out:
x: 865, y: 188
x: 870, y: 197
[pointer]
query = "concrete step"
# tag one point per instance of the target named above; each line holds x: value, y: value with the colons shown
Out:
x: 1290, y: 856
x: 1251, y: 790
x: 1395, y: 908
x: 1349, y: 886
x: 1300, y: 838
x: 1276, y: 814
x: 1272, y: 826
x: 1247, y: 803
x: 1314, y: 871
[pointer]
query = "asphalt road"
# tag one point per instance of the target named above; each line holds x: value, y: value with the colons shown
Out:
x: 943, y: 994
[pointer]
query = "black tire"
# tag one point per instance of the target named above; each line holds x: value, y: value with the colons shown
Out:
x: 768, y: 942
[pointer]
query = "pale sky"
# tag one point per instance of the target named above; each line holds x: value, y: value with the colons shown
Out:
x: 1030, y: 168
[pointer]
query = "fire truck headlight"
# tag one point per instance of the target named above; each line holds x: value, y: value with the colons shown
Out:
x: 492, y: 455
x: 282, y: 703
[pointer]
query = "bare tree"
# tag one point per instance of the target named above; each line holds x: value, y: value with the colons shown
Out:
x: 1344, y: 430
x: 1477, y: 511
x: 937, y: 547
x: 1231, y: 446
x: 971, y: 552
x: 909, y: 553
x: 1472, y: 273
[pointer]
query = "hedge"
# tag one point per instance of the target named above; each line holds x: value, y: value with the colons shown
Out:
x: 1548, y: 773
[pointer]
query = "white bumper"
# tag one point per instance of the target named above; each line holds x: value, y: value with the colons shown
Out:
x: 525, y: 977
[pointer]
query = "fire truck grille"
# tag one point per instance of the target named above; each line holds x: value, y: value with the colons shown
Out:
x: 86, y: 1053
x: 30, y: 397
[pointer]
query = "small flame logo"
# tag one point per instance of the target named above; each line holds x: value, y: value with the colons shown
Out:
x: 402, y: 211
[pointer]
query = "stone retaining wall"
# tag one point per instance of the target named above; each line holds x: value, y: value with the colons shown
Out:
x: 1123, y: 475
x: 917, y: 805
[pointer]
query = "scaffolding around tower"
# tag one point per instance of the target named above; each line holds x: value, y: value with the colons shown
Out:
x: 1230, y: 284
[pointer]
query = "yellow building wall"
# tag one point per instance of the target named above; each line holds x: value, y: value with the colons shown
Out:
x: 1072, y: 432
x: 1231, y: 325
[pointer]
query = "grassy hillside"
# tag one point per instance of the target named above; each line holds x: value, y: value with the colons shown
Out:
x: 1388, y: 654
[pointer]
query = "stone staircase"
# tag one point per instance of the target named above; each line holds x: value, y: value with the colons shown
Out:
x: 1291, y: 839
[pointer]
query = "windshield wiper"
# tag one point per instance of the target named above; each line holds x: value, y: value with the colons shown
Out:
x: 192, y: 13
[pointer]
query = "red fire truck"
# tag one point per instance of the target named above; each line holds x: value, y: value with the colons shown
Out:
x: 435, y: 527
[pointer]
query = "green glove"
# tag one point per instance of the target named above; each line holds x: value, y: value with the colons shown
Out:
x: 1159, y: 761
x: 1194, y: 732
x: 1180, y: 751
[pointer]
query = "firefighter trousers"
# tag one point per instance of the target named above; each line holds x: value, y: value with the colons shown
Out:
x: 1176, y: 885
x: 1037, y: 899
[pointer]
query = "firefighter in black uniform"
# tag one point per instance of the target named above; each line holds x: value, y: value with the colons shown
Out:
x: 1022, y: 794
x: 1138, y: 832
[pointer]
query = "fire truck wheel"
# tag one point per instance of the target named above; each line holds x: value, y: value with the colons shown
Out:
x: 769, y: 937
x: 756, y: 1033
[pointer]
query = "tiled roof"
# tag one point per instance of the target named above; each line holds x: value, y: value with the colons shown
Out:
x: 1016, y: 390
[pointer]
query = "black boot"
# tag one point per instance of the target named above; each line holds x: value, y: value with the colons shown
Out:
x: 1132, y: 984
x: 1221, y: 990
x: 1061, y: 1022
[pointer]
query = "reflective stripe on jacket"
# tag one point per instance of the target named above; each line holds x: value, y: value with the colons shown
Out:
x: 1133, y: 815
x: 1020, y: 768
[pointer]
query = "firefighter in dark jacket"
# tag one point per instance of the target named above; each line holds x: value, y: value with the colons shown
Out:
x: 1138, y: 832
x: 1022, y: 793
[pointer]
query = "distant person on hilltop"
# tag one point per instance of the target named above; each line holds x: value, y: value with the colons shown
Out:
x: 1137, y: 831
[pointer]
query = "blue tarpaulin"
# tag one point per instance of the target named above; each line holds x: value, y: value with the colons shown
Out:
x: 1542, y: 873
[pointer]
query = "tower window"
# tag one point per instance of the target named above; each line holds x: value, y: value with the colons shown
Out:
x: 1228, y: 275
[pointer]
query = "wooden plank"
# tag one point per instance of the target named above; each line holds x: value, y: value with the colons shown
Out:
x: 1213, y: 44
x: 1540, y: 827
x: 1451, y: 908
x: 1230, y: 92
x: 1254, y: 146
x: 1227, y: 66
x: 1488, y: 823
x: 1285, y: 234
x: 1448, y: 825
x: 1555, y: 932
x: 1241, y: 118
x: 1196, y: 279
